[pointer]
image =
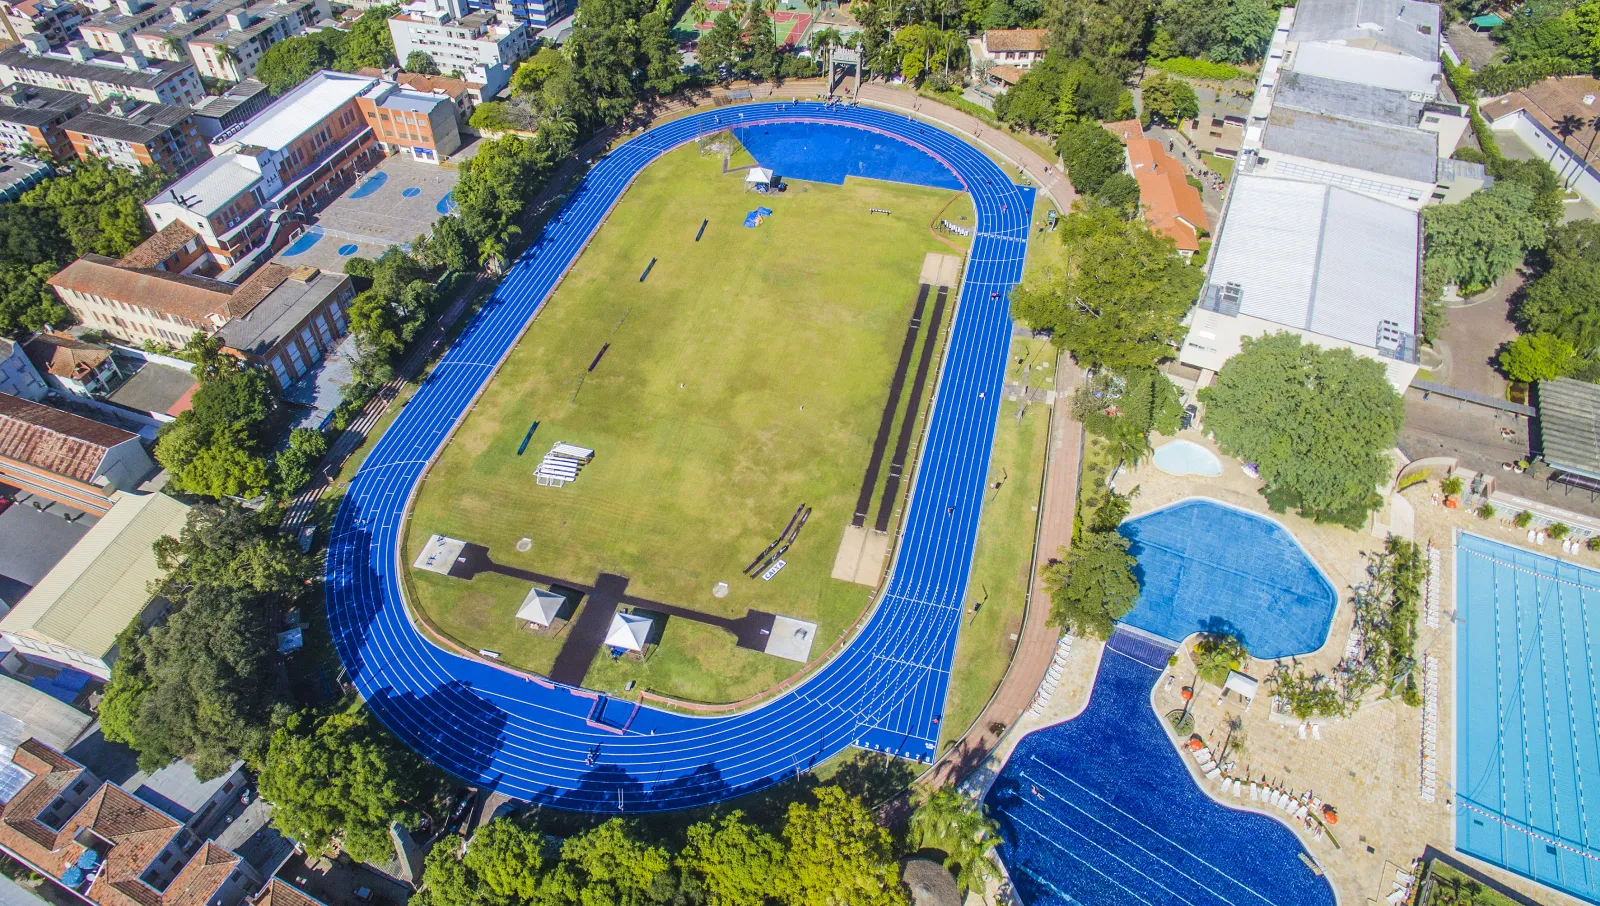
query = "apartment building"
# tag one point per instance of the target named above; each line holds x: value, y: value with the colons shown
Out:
x: 479, y: 45
x: 107, y: 845
x: 231, y: 49
x: 34, y: 117
x: 135, y: 134
x: 19, y: 174
x: 78, y: 69
x: 296, y: 156
x: 285, y: 320
x: 56, y: 21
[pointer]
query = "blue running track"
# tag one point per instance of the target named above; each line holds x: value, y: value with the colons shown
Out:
x: 531, y: 739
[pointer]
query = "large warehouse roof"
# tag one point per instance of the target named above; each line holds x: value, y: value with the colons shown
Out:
x: 1569, y: 426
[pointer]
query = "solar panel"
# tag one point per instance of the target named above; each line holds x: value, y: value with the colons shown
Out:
x: 12, y: 780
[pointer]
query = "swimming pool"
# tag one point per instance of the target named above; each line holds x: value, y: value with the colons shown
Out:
x: 1185, y: 457
x: 1101, y: 811
x: 1527, y: 741
x: 1207, y: 567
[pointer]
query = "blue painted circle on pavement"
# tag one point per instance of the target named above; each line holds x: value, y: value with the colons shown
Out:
x: 411, y: 192
x: 348, y: 249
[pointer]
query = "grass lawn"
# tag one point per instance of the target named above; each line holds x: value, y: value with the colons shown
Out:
x: 744, y: 377
x: 1222, y: 166
x: 1452, y: 888
x: 999, y: 583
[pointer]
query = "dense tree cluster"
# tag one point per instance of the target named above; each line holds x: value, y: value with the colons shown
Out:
x: 1229, y: 31
x: 1060, y: 91
x: 199, y: 683
x: 1560, y: 309
x: 1117, y: 299
x: 95, y: 208
x: 343, y: 778
x: 1093, y: 585
x: 829, y: 851
x: 367, y: 44
x: 219, y: 446
x: 1125, y: 409
x: 1318, y: 424
x: 1475, y: 242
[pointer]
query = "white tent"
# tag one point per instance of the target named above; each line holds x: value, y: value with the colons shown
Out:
x: 1244, y: 685
x: 540, y: 607
x: 759, y: 176
x: 628, y: 632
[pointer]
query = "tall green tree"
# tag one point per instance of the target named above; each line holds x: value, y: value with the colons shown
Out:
x: 1477, y: 241
x: 98, y: 206
x: 369, y: 43
x: 419, y: 61
x: 951, y: 823
x: 838, y: 853
x: 1036, y: 101
x: 1230, y: 31
x: 215, y: 448
x: 292, y: 60
x: 1092, y: 155
x: 1124, y: 409
x: 199, y: 684
x: 612, y: 867
x: 507, y: 860
x: 1168, y: 101
x: 1093, y: 585
x: 342, y: 777
x: 736, y: 863
x: 1316, y: 422
x: 1110, y: 31
x: 1118, y: 298
x: 27, y: 303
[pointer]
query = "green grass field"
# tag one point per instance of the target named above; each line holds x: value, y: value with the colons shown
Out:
x: 744, y: 377
x: 999, y: 582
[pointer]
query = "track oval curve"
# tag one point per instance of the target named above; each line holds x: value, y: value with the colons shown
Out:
x: 532, y: 739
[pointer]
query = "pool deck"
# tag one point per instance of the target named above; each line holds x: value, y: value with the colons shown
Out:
x: 1365, y: 765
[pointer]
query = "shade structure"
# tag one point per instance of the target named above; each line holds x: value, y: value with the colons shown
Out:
x: 628, y: 632
x: 759, y: 175
x: 540, y: 607
x: 1244, y: 685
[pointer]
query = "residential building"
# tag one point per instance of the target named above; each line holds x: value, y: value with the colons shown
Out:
x: 137, y: 134
x: 33, y: 117
x: 75, y: 613
x: 231, y: 49
x: 536, y: 14
x: 1017, y: 48
x: 18, y: 377
x: 57, y: 816
x: 79, y: 70
x: 1542, y: 116
x: 480, y: 46
x: 282, y: 319
x: 178, y: 791
x: 293, y: 158
x: 111, y: 29
x: 73, y: 366
x: 19, y: 174
x: 1171, y: 207
x: 67, y: 458
x: 1337, y: 267
x: 422, y: 127
x: 56, y: 21
x: 217, y: 114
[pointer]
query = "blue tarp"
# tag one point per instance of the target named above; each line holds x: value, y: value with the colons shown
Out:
x: 755, y: 217
x: 822, y: 153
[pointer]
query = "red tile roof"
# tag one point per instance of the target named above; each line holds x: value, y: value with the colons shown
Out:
x: 1171, y: 206
x: 59, y: 442
x: 65, y: 356
x: 163, y: 245
x: 1016, y: 39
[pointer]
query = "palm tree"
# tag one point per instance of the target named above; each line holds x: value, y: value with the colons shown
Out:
x: 824, y: 41
x: 1216, y: 654
x: 699, y: 12
x: 952, y: 824
x: 1566, y: 127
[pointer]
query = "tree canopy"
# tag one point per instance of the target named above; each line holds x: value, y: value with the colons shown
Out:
x: 1478, y: 240
x: 1316, y: 422
x: 200, y: 683
x: 1060, y: 90
x: 216, y: 448
x: 343, y: 777
x: 1169, y: 101
x: 1125, y: 408
x: 1230, y: 31
x: 1117, y: 300
x: 1093, y: 585
x: 952, y: 824
x: 367, y: 44
x: 419, y: 61
x: 1092, y: 156
x: 1561, y: 308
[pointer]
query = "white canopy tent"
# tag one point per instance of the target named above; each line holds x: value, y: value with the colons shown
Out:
x: 540, y: 607
x: 628, y: 632
x: 1245, y: 686
x: 759, y: 176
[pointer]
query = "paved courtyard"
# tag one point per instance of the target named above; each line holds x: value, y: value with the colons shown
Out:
x: 392, y: 205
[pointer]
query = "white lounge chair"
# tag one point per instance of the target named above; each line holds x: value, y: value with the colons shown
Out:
x: 1213, y: 772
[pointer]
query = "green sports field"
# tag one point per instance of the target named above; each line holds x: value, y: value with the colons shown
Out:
x: 746, y: 376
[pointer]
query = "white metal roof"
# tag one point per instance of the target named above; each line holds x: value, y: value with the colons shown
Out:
x: 628, y: 632
x: 210, y: 187
x: 1318, y: 258
x: 102, y: 584
x: 540, y: 607
x: 1244, y: 685
x: 759, y: 174
x: 1368, y: 67
x: 297, y: 112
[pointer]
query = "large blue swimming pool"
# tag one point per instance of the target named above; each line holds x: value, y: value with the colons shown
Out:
x: 1100, y: 810
x: 1206, y: 567
x: 1528, y: 742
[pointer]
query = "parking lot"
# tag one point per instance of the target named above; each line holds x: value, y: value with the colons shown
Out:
x: 392, y: 205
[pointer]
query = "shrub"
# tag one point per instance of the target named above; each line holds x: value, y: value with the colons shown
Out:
x: 1593, y: 543
x: 1486, y: 511
x: 1415, y: 478
x: 1451, y: 486
x: 1190, y: 68
x: 1560, y: 530
x: 1522, y: 519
